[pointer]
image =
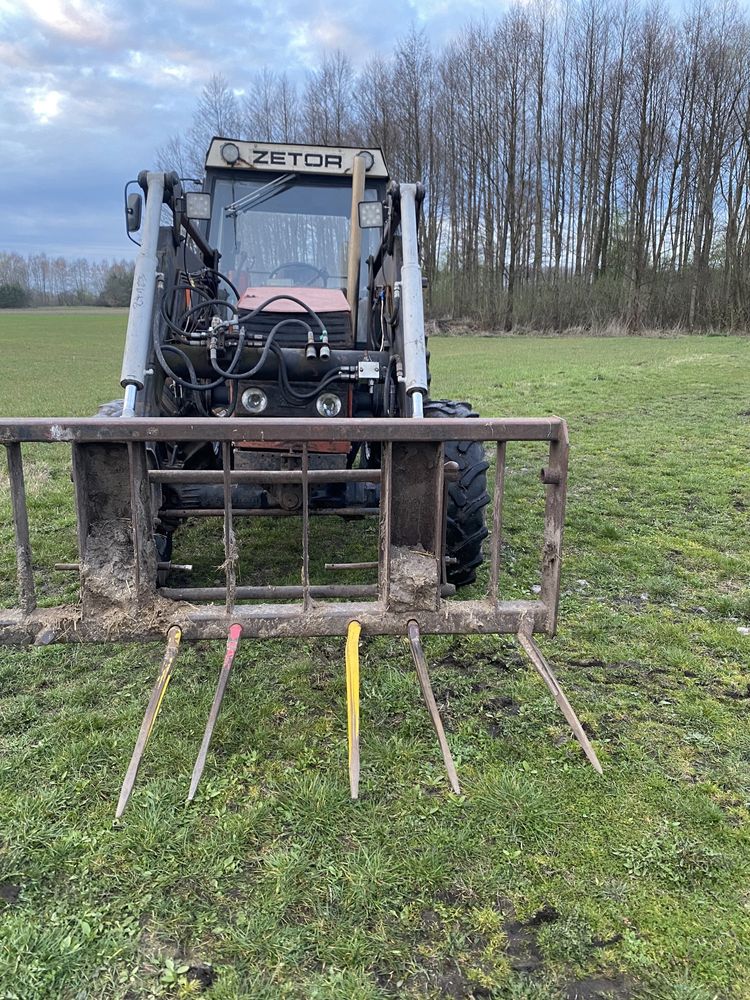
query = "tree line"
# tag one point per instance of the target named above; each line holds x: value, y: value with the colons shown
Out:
x: 586, y: 163
x: 39, y: 280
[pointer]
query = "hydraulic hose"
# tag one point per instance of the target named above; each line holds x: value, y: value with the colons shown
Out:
x: 229, y: 374
x: 237, y: 376
x: 301, y: 398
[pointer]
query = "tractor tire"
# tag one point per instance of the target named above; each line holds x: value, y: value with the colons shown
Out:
x: 467, y: 498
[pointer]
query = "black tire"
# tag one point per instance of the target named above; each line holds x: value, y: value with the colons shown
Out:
x: 467, y: 498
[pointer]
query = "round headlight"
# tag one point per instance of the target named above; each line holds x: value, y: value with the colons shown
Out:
x: 328, y: 404
x: 254, y: 399
x: 230, y: 152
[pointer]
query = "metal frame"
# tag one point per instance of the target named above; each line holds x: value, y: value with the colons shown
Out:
x: 411, y: 519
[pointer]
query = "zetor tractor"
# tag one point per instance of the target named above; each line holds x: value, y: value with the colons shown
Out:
x: 290, y: 287
x: 276, y: 365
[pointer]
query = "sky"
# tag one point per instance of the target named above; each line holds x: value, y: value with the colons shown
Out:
x: 90, y: 89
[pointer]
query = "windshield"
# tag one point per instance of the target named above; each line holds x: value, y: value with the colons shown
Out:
x: 286, y: 232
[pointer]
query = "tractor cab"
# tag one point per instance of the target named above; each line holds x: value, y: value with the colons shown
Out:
x: 291, y: 218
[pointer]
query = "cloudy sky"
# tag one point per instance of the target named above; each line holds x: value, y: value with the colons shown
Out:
x: 89, y: 90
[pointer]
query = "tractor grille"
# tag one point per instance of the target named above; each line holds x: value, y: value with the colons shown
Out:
x: 338, y: 325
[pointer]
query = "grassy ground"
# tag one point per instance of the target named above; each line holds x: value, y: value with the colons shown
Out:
x: 544, y: 880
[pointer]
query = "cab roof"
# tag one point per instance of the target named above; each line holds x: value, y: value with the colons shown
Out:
x: 290, y: 158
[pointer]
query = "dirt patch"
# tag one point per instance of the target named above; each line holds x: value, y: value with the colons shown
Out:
x: 500, y: 661
x: 522, y: 949
x: 9, y: 893
x: 452, y: 897
x: 107, y: 571
x: 736, y: 694
x: 496, y: 709
x: 525, y: 955
x: 502, y: 705
x: 440, y: 978
x: 203, y: 975
x: 628, y: 673
x: 593, y: 662
x: 598, y: 988
x: 430, y: 919
x: 413, y: 578
x: 547, y: 915
x: 606, y: 942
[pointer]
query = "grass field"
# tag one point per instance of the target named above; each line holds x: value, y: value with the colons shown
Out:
x: 543, y: 880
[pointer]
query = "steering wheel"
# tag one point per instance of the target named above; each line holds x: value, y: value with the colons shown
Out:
x: 318, y: 273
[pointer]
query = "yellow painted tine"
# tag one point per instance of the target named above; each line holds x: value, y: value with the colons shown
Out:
x: 352, y: 704
x: 154, y: 704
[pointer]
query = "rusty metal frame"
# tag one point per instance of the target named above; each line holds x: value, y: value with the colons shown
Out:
x: 147, y: 611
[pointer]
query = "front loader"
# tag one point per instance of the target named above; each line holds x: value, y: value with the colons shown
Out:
x: 276, y: 366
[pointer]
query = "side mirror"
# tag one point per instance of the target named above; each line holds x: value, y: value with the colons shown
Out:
x: 133, y: 211
x: 370, y: 214
x: 197, y: 205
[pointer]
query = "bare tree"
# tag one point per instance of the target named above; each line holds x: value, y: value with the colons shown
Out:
x: 584, y: 162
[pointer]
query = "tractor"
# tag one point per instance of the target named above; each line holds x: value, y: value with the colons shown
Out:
x: 290, y: 286
x: 276, y: 365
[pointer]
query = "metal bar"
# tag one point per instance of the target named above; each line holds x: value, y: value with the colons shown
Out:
x: 412, y: 630
x: 412, y: 299
x: 305, y: 529
x: 351, y: 565
x: 441, y: 493
x: 267, y: 621
x: 141, y: 313
x: 554, y: 521
x: 230, y: 543
x: 134, y: 519
x: 272, y: 429
x: 270, y: 476
x: 544, y: 670
x: 496, y: 540
x: 75, y: 567
x: 154, y: 704
x: 270, y: 512
x: 384, y: 529
x: 24, y: 567
x: 80, y: 488
x: 352, y: 704
x: 355, y: 235
x: 235, y: 631
x: 416, y: 524
x: 270, y: 592
x: 450, y: 475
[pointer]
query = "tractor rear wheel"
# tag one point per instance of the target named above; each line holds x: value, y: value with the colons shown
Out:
x: 467, y: 497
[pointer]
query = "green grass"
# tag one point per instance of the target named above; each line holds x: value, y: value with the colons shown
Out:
x: 543, y: 880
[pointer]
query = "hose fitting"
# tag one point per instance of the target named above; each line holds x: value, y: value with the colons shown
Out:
x: 310, y: 349
x: 325, y: 351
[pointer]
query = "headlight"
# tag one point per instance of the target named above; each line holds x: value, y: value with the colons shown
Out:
x: 328, y: 404
x: 254, y: 400
x: 230, y: 152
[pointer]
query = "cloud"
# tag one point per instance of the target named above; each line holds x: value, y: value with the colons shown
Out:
x: 45, y: 104
x: 92, y: 88
x: 74, y: 21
